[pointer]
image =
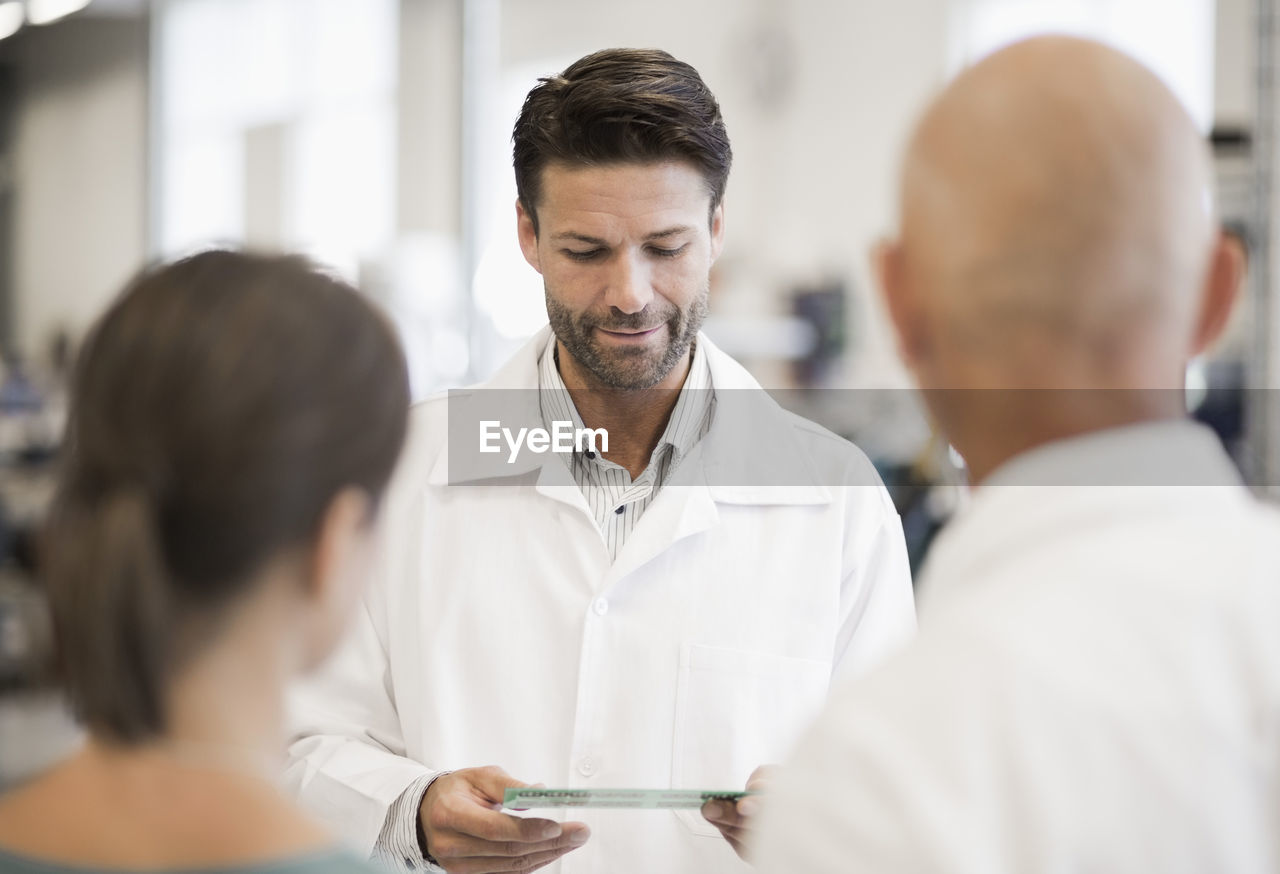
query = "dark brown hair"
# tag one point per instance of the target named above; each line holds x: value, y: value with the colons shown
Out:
x: 616, y: 106
x: 217, y: 408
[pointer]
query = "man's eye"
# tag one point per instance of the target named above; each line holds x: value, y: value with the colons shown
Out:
x: 588, y: 255
x: 667, y: 253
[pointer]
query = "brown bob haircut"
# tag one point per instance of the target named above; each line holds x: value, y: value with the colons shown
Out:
x: 620, y: 106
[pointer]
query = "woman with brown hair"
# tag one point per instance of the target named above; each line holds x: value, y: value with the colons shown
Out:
x: 235, y: 419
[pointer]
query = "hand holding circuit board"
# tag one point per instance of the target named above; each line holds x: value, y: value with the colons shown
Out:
x: 648, y: 799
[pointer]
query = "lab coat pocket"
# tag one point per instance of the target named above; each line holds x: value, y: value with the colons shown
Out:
x: 736, y: 710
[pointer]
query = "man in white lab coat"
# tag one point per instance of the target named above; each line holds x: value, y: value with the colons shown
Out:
x: 665, y: 611
x: 1096, y: 681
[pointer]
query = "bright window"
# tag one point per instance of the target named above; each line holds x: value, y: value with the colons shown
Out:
x: 1172, y: 37
x: 275, y: 125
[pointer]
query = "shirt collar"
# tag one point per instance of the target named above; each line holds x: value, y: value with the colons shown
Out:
x: 689, y: 418
x: 1172, y: 452
x: 1097, y: 481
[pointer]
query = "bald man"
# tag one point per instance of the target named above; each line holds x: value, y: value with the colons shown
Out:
x: 1096, y: 682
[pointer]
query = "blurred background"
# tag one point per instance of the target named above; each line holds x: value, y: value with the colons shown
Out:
x: 375, y: 136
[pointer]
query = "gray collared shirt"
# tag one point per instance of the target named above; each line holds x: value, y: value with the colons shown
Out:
x: 616, y: 500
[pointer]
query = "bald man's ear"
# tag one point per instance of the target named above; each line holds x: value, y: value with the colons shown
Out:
x: 1222, y: 285
x: 887, y: 262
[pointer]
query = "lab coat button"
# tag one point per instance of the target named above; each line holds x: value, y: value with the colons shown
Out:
x: 587, y: 766
x: 601, y: 606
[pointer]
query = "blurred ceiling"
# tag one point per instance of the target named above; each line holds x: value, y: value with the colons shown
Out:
x: 116, y: 8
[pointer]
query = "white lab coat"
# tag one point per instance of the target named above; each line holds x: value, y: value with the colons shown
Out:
x: 497, y: 631
x: 1095, y: 686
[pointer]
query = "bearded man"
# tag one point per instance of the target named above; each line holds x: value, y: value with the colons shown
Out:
x: 666, y: 609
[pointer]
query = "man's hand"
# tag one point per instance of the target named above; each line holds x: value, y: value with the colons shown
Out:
x: 734, y: 820
x: 467, y: 834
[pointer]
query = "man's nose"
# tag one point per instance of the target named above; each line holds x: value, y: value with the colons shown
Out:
x: 630, y: 289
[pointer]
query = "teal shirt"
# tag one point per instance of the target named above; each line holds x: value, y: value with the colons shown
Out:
x: 332, y: 862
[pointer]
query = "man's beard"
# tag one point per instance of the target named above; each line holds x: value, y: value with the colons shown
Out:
x: 623, y: 367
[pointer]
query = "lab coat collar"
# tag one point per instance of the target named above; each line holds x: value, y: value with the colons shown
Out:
x: 516, y: 383
x: 1104, y: 480
x: 1170, y: 452
x: 750, y: 455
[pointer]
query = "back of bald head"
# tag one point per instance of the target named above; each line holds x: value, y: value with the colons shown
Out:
x: 1057, y: 192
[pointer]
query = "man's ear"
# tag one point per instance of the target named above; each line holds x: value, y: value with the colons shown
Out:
x: 528, y: 236
x: 887, y: 264
x: 1221, y: 287
x: 717, y: 231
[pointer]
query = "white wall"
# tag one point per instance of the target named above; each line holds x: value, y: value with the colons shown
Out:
x: 827, y: 180
x: 80, y: 165
x: 429, y: 114
x: 1234, y: 38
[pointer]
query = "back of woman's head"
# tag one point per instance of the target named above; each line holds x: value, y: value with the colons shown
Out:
x: 218, y: 408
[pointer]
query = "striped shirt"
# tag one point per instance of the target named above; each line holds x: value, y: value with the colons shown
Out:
x: 616, y: 500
